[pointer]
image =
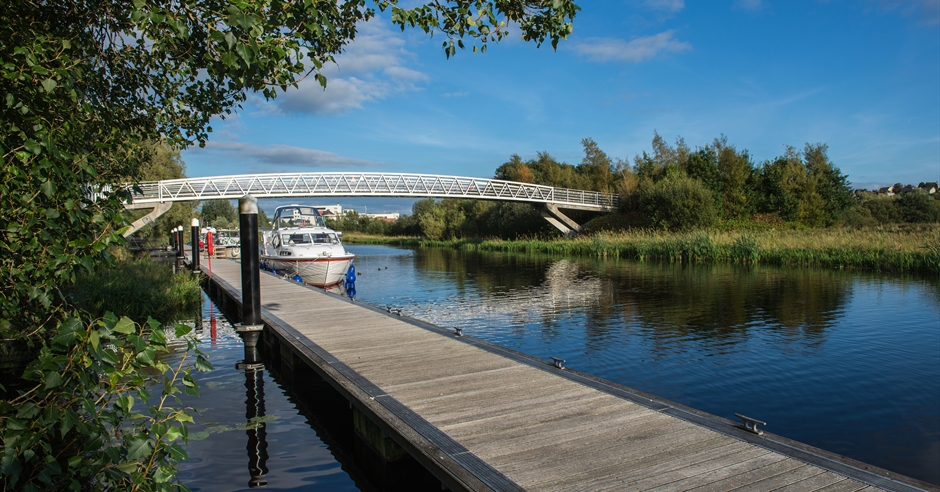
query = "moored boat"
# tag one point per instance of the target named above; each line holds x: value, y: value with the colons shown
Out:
x: 301, y: 245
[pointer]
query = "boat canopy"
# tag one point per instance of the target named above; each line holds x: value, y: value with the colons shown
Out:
x: 294, y: 216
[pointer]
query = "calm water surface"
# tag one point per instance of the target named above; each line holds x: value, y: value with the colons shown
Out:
x: 848, y: 362
x: 291, y: 451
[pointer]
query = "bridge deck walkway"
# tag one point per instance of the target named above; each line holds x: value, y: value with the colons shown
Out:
x: 485, y: 418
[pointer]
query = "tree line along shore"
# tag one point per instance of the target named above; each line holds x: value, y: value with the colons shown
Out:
x: 710, y: 203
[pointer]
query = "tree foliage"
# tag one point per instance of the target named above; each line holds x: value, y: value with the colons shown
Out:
x: 85, y: 88
x: 678, y: 202
x: 220, y: 214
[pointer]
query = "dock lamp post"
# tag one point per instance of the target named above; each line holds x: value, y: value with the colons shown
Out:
x: 195, y: 248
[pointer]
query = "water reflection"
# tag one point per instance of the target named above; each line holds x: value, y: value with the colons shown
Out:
x: 257, y: 430
x: 716, y: 305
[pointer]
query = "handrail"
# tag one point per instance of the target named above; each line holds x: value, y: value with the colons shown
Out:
x: 365, y: 185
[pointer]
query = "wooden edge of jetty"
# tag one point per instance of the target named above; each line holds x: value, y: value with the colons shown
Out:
x: 459, y: 468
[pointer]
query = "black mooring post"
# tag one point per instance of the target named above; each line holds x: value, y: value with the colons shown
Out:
x: 251, y: 326
x: 179, y: 240
x: 195, y: 247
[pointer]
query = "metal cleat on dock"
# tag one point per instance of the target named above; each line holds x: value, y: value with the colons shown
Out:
x: 391, y: 310
x: 557, y: 362
x: 751, y: 424
x: 458, y: 331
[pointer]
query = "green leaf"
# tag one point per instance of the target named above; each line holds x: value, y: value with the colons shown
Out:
x: 32, y: 146
x: 27, y: 410
x: 127, y: 467
x: 53, y: 380
x: 125, y: 403
x: 48, y: 188
x: 182, y: 330
x: 163, y: 474
x: 182, y: 416
x: 124, y: 326
x: 139, y: 448
x: 202, y: 364
x: 49, y: 85
x: 10, y: 468
x: 173, y: 433
x: 146, y: 356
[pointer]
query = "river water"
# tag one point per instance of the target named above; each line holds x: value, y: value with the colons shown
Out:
x: 847, y: 362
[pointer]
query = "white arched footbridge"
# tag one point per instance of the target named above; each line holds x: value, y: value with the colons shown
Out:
x: 159, y: 195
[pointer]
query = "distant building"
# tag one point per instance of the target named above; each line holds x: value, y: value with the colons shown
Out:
x: 329, y: 210
x: 392, y: 217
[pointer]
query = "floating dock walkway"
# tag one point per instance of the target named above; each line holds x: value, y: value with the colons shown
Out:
x: 481, y: 417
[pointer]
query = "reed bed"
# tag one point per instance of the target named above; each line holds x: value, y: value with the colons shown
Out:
x: 138, y: 289
x: 881, y: 249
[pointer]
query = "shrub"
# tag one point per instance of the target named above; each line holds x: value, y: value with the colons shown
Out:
x: 884, y: 209
x: 678, y: 203
x: 919, y: 208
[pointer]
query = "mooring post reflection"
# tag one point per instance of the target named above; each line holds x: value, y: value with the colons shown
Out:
x: 257, y: 432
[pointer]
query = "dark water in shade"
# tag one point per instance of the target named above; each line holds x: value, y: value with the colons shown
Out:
x: 847, y: 362
x: 296, y: 458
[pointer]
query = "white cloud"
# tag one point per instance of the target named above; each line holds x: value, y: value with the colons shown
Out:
x: 664, y: 5
x: 455, y: 94
x: 372, y: 67
x: 926, y: 11
x: 637, y: 50
x: 276, y: 157
x: 750, y: 5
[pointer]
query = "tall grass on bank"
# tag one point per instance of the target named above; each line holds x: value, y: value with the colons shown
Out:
x: 138, y: 289
x: 879, y: 249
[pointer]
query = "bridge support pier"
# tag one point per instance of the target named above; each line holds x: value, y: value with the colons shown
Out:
x: 561, y: 221
x: 158, y: 210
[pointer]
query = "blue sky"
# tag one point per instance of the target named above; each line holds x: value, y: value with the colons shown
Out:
x: 862, y: 76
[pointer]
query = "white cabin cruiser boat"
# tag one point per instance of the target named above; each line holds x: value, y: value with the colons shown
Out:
x: 301, y: 245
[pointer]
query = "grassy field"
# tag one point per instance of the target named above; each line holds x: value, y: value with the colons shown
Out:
x: 895, y: 249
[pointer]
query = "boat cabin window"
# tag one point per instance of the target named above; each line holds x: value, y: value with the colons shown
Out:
x: 276, y: 242
x: 296, y: 238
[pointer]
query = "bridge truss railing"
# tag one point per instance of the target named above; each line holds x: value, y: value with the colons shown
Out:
x: 368, y: 184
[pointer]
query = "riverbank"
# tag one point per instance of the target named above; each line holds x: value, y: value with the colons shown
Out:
x: 914, y: 249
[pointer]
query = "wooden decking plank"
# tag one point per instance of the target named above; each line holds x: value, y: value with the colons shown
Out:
x: 847, y: 485
x: 503, y: 401
x: 694, y: 465
x: 783, y: 480
x: 667, y: 458
x: 478, y: 381
x: 816, y: 482
x: 635, y: 455
x: 544, y: 446
x: 723, y: 472
x: 484, y: 424
x: 593, y: 432
x: 395, y: 370
x: 655, y: 472
x: 747, y: 478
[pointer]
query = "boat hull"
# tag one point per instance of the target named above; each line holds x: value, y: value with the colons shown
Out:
x: 319, y: 271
